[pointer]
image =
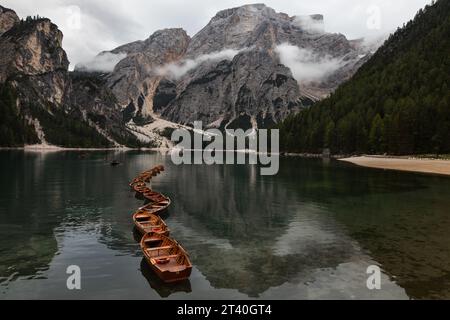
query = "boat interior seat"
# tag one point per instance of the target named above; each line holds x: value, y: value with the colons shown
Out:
x: 155, y: 226
x: 159, y: 248
x: 148, y: 222
x: 157, y: 208
x: 142, y: 217
x: 174, y: 256
x: 151, y: 228
x: 152, y: 241
x: 172, y: 266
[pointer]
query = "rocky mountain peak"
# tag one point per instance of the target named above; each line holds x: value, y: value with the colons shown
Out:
x: 159, y: 40
x: 8, y: 18
x: 250, y: 9
x: 255, y: 25
x: 239, y: 28
x: 164, y: 35
x: 168, y: 44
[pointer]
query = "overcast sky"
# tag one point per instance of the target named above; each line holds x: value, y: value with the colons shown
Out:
x: 91, y: 26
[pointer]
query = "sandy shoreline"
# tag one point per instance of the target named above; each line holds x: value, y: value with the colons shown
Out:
x: 430, y: 166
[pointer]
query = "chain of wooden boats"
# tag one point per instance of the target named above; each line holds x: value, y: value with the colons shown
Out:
x: 164, y: 255
x: 157, y: 208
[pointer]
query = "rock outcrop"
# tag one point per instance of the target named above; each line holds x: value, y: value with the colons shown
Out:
x: 8, y: 18
x: 33, y: 48
x: 46, y: 104
x: 135, y: 78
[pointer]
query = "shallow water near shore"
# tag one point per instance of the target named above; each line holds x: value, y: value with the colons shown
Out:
x: 309, y: 232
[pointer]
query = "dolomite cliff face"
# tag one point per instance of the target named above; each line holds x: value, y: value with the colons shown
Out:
x: 253, y: 90
x: 7, y: 19
x: 32, y: 49
x: 42, y: 102
x: 135, y: 79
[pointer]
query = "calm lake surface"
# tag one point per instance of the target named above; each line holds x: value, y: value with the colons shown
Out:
x: 308, y: 233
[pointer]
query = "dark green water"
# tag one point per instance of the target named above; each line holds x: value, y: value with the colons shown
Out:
x: 308, y: 233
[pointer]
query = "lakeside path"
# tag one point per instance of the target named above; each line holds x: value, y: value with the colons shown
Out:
x: 441, y: 167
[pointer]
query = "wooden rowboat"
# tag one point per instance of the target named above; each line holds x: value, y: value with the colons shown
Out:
x: 139, y: 183
x: 165, y: 290
x: 147, y: 222
x: 155, y: 172
x: 135, y: 182
x: 166, y: 258
x: 147, y: 176
x: 157, y: 208
x: 144, y: 177
x: 154, y: 196
x: 141, y: 188
x: 161, y: 201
